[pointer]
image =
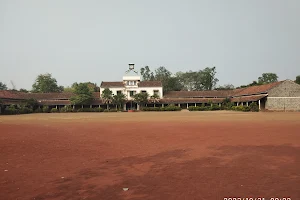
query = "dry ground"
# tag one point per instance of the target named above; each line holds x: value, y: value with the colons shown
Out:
x: 169, y: 155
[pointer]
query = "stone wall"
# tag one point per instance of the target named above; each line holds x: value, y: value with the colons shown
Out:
x: 285, y: 96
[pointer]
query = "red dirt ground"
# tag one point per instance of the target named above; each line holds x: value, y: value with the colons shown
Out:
x: 180, y: 155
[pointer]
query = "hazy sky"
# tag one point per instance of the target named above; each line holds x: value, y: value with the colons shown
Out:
x: 94, y: 40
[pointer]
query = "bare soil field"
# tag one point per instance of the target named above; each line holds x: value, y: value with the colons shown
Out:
x: 159, y: 155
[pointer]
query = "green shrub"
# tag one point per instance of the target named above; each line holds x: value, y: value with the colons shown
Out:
x: 86, y: 110
x: 38, y: 110
x: 45, y: 109
x: 246, y: 109
x: 68, y: 108
x: 106, y: 110
x: 98, y: 109
x: 113, y: 110
x: 25, y: 110
x: 193, y: 108
x: 254, y: 107
x: 215, y: 107
x: 54, y: 110
x: 11, y: 110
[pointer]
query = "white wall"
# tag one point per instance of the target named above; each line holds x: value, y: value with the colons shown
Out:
x: 126, y: 91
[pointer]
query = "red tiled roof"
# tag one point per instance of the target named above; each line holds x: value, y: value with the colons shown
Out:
x: 191, y: 100
x: 195, y: 94
x: 150, y: 84
x: 259, y: 89
x: 8, y: 94
x: 248, y: 98
x: 112, y: 84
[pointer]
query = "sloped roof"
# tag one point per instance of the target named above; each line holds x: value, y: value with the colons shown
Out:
x: 195, y: 94
x: 150, y: 84
x: 112, y: 84
x: 8, y: 94
x: 259, y: 89
x: 191, y: 100
x: 248, y: 98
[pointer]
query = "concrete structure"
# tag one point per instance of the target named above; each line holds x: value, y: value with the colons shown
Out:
x: 285, y: 96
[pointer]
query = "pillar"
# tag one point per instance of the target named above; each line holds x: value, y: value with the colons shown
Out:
x: 237, y: 103
x: 138, y: 107
x: 99, y: 106
x: 219, y: 104
x: 56, y: 107
x: 179, y: 105
x: 81, y: 106
x: 162, y: 105
x: 247, y: 103
x: 124, y: 107
x: 73, y: 107
x: 258, y: 104
x: 90, y: 106
x: 187, y: 105
x: 195, y: 105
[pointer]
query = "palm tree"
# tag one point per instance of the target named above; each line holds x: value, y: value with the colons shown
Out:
x: 154, y: 99
x: 107, y: 96
x: 119, y: 100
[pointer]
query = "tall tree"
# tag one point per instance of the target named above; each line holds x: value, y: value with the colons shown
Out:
x: 163, y: 75
x: 297, y: 79
x: 146, y: 73
x: 154, y: 99
x: 206, y: 79
x: 107, y: 96
x: 119, y: 100
x: 83, y: 95
x: 45, y: 83
x: 3, y: 86
x: 141, y: 98
x: 267, y: 78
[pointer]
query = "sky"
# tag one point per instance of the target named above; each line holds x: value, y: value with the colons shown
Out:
x: 94, y: 40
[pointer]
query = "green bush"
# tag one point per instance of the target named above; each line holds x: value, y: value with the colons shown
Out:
x: 86, y: 110
x: 246, y: 109
x: 38, y: 110
x: 215, y: 107
x: 11, y: 110
x: 254, y: 107
x: 25, y: 110
x: 54, y: 110
x: 98, y: 109
x: 45, y: 109
x: 167, y: 108
x: 67, y: 109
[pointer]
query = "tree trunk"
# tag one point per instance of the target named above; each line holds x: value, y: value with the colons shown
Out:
x: 107, y: 106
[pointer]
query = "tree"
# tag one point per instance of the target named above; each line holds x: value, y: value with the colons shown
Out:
x: 146, y: 73
x: 3, y: 86
x: 206, y: 79
x: 83, y: 95
x: 31, y: 103
x: 297, y: 80
x: 23, y: 90
x: 107, y: 96
x: 225, y: 87
x: 141, y: 98
x: 44, y: 83
x: 119, y: 100
x: 92, y: 86
x: 154, y: 99
x: 267, y: 78
x: 69, y: 89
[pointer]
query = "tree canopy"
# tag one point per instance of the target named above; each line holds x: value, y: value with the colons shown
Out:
x: 141, y: 98
x: 107, y: 96
x: 297, y: 79
x: 83, y: 95
x: 3, y: 86
x: 119, y: 99
x: 45, y: 83
x: 267, y: 78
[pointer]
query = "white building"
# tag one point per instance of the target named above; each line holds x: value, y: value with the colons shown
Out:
x: 132, y: 85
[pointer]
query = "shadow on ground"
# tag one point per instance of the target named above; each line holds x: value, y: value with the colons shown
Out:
x: 238, y: 171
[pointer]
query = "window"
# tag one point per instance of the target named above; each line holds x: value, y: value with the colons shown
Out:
x: 131, y: 83
x: 143, y: 91
x: 131, y: 93
x: 119, y: 92
x: 156, y: 92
